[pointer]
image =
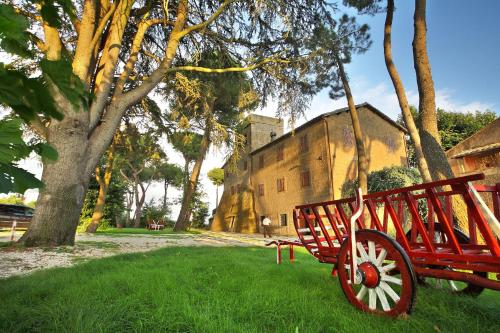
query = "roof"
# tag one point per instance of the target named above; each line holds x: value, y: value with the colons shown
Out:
x: 15, y: 205
x: 328, y: 114
x: 486, y: 139
x: 477, y: 150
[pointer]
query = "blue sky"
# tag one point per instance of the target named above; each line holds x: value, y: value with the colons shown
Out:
x: 464, y: 52
x: 463, y: 46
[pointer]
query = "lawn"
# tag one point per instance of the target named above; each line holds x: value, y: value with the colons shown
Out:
x: 217, y: 290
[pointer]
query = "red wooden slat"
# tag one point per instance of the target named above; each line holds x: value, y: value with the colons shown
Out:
x: 400, y: 234
x: 322, y: 226
x: 483, y: 226
x: 417, y: 222
x: 373, y: 213
x: 445, y: 224
x: 333, y: 223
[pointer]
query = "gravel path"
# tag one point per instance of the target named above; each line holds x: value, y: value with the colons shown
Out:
x: 14, y: 261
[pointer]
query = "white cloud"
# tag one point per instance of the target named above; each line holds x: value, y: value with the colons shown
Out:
x: 446, y: 101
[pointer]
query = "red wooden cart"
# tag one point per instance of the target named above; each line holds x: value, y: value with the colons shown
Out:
x: 406, y: 234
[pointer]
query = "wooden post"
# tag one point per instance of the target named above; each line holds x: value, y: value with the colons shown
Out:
x: 13, y: 230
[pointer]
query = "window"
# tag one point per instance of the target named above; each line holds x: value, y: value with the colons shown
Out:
x: 261, y: 190
x: 391, y: 146
x: 280, y: 184
x: 305, y: 178
x: 280, y: 155
x: 304, y: 146
x: 283, y: 220
x: 261, y: 161
x: 348, y: 139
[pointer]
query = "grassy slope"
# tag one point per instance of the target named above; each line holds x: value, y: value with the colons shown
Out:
x: 216, y: 290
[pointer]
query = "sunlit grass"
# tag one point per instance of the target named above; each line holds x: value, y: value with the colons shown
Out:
x: 210, y: 289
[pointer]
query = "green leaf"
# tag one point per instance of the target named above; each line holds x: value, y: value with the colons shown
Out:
x: 13, y: 31
x: 12, y: 146
x: 15, y: 179
x: 46, y: 151
x: 50, y: 15
x: 61, y: 74
x: 26, y: 96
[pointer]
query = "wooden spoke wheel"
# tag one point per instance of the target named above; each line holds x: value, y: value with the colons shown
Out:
x: 458, y: 287
x: 387, y: 278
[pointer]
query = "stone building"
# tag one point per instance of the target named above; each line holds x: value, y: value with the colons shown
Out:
x: 279, y: 171
x: 478, y: 153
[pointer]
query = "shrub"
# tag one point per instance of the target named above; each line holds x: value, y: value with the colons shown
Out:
x: 385, y: 179
x: 154, y: 212
x: 84, y: 222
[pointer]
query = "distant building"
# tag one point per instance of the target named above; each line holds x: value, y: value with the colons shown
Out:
x: 279, y: 171
x: 478, y: 153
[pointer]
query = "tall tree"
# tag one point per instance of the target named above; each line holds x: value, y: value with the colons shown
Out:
x: 99, y: 58
x: 356, y: 125
x: 139, y: 157
x: 336, y: 47
x: 171, y: 175
x: 214, y: 105
x: 216, y: 176
x: 429, y: 134
x: 401, y: 94
x: 103, y: 178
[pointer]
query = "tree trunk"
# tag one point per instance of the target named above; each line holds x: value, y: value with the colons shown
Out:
x: 400, y: 92
x: 216, y: 195
x: 65, y: 181
x: 358, y: 134
x: 431, y: 141
x: 185, y: 213
x: 130, y: 199
x: 139, y: 202
x: 165, y: 187
x: 103, y: 190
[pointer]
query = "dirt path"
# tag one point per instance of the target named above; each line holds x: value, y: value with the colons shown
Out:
x: 15, y: 261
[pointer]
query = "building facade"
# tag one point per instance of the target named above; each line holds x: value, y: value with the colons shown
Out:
x: 478, y: 153
x: 310, y: 164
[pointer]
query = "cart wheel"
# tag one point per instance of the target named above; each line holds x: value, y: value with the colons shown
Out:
x: 388, y: 284
x: 463, y: 288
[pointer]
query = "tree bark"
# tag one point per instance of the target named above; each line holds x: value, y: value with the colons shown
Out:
x: 429, y: 134
x: 400, y: 92
x: 216, y: 195
x: 185, y: 213
x: 103, y: 190
x: 431, y: 141
x: 139, y: 202
x: 358, y: 134
x: 165, y: 188
x: 130, y: 199
x: 60, y: 201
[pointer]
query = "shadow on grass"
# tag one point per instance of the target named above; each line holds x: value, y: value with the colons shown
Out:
x: 143, y: 231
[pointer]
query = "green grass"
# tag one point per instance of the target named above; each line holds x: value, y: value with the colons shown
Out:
x: 142, y: 231
x: 216, y: 290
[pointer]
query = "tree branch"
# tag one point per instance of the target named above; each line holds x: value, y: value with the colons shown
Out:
x: 102, y: 26
x: 211, y: 19
x: 229, y: 69
x: 38, y: 126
